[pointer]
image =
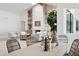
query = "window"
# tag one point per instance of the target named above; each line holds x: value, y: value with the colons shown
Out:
x: 69, y: 22
x: 77, y: 25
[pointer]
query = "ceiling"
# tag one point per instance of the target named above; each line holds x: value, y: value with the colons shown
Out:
x: 15, y: 7
x: 18, y: 8
x: 52, y: 4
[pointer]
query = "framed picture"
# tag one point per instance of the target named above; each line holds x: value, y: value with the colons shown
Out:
x: 37, y: 23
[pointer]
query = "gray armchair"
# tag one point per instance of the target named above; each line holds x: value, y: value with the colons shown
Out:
x: 62, y: 39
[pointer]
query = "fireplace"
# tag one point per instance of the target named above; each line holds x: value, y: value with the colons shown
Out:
x: 37, y: 31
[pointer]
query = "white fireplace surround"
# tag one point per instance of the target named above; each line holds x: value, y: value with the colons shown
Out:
x: 38, y: 15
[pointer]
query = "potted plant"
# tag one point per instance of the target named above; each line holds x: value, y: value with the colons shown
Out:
x: 52, y: 22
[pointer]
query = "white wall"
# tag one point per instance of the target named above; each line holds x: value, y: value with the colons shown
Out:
x: 60, y: 29
x: 61, y: 22
x: 9, y: 22
x: 24, y: 17
x: 38, y: 15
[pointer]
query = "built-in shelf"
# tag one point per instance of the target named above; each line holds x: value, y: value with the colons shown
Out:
x: 30, y: 20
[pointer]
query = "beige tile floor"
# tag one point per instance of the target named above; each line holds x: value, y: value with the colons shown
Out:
x: 33, y: 50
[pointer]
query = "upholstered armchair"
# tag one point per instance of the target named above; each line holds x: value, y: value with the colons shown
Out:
x: 62, y: 39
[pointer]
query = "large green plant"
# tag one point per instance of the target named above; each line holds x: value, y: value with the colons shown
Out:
x: 52, y: 20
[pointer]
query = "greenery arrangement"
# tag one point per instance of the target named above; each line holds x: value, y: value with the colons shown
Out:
x: 52, y: 20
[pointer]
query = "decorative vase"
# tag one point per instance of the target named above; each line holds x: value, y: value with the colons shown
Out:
x: 46, y: 45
